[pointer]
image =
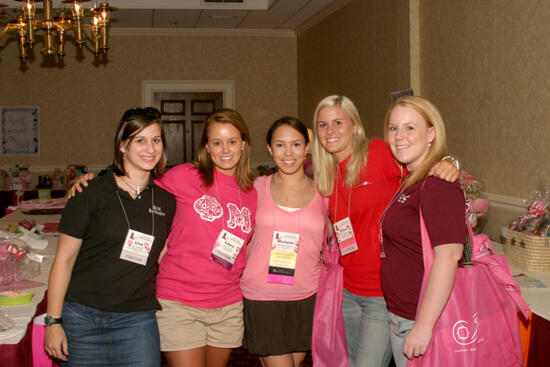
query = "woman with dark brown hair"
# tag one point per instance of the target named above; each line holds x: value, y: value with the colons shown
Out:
x: 101, y: 290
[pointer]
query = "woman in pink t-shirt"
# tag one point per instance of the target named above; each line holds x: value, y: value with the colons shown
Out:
x: 282, y: 272
x: 198, y: 281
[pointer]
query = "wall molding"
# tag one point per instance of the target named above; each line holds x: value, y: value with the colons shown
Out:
x: 227, y: 87
x: 506, y: 202
x: 202, y: 32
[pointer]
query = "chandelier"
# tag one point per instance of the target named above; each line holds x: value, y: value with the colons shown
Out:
x: 53, y: 29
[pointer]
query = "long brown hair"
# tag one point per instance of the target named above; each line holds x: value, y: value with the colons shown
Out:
x: 206, y: 166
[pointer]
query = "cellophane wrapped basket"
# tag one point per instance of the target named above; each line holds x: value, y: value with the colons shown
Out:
x: 10, y: 266
x: 528, y: 252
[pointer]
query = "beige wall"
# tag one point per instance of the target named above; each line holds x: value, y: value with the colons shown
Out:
x: 361, y: 51
x: 81, y: 104
x: 485, y: 64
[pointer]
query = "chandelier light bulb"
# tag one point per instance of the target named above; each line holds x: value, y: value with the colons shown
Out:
x: 53, y: 29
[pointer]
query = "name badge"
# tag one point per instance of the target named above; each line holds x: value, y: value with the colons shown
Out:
x: 345, y: 236
x: 137, y: 247
x: 282, y: 261
x: 226, y: 249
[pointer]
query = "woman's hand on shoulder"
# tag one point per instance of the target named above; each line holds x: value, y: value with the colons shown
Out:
x: 445, y: 170
x: 55, y: 342
x: 417, y: 341
x: 80, y: 181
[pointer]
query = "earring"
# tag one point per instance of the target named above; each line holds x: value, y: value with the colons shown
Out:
x: 354, y: 136
x: 429, y: 144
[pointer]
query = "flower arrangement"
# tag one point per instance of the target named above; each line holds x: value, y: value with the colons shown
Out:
x: 477, y: 205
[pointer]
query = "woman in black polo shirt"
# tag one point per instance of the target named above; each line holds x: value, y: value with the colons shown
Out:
x: 101, y: 291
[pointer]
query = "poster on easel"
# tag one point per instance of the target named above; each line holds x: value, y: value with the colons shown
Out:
x: 19, y: 130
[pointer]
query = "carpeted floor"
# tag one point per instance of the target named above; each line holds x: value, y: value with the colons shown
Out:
x: 241, y: 358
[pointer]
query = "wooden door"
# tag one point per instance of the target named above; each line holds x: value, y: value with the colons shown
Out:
x: 183, y: 114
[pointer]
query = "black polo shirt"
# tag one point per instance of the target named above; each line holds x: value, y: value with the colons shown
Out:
x: 100, y: 279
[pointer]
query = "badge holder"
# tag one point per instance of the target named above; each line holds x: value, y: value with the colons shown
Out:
x: 226, y: 249
x: 282, y: 261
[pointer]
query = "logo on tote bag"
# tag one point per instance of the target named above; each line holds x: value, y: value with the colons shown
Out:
x: 464, y: 332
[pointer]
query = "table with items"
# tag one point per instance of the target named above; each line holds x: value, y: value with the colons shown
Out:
x: 16, y: 325
x: 535, y: 332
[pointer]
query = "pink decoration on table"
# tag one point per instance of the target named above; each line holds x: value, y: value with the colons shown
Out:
x: 537, y: 209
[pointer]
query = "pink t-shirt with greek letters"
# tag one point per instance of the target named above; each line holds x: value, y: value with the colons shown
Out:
x: 187, y: 273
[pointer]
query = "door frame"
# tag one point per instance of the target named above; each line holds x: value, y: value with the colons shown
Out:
x: 226, y: 87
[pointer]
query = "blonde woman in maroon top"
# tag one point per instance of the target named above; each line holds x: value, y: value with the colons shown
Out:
x: 415, y: 133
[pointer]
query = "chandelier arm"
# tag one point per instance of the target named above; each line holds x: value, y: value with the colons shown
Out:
x: 95, y: 35
x: 4, y: 31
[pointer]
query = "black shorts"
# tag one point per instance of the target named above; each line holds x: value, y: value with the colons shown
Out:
x: 278, y: 327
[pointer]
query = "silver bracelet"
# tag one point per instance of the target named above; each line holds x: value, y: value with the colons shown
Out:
x: 454, y: 161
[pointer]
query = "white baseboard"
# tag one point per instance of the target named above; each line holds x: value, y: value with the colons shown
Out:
x: 506, y: 202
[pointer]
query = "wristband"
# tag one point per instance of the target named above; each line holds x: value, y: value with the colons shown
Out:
x: 454, y: 161
x: 48, y: 320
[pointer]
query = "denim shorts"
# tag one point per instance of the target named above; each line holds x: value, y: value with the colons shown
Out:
x: 102, y: 338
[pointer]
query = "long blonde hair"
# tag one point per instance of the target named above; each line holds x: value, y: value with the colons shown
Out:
x: 324, y: 162
x: 433, y: 118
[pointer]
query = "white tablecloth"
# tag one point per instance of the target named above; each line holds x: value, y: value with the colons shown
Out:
x: 538, y: 299
x: 22, y: 314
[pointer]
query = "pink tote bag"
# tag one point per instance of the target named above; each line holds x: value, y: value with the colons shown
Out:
x: 479, y: 325
x: 328, y: 344
x: 39, y: 356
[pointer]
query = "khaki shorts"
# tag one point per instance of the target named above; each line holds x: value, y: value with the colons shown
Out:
x: 184, y: 327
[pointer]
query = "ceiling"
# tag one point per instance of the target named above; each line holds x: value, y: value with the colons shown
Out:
x: 189, y: 14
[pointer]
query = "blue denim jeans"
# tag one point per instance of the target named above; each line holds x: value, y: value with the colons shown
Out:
x: 399, y: 329
x: 102, y: 338
x: 367, y: 330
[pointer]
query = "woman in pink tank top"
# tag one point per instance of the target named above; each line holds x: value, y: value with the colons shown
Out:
x: 282, y: 272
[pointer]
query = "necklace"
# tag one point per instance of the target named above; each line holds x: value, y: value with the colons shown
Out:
x: 137, y: 190
x: 286, y: 193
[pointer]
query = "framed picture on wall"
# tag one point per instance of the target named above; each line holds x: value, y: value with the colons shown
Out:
x: 19, y: 130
